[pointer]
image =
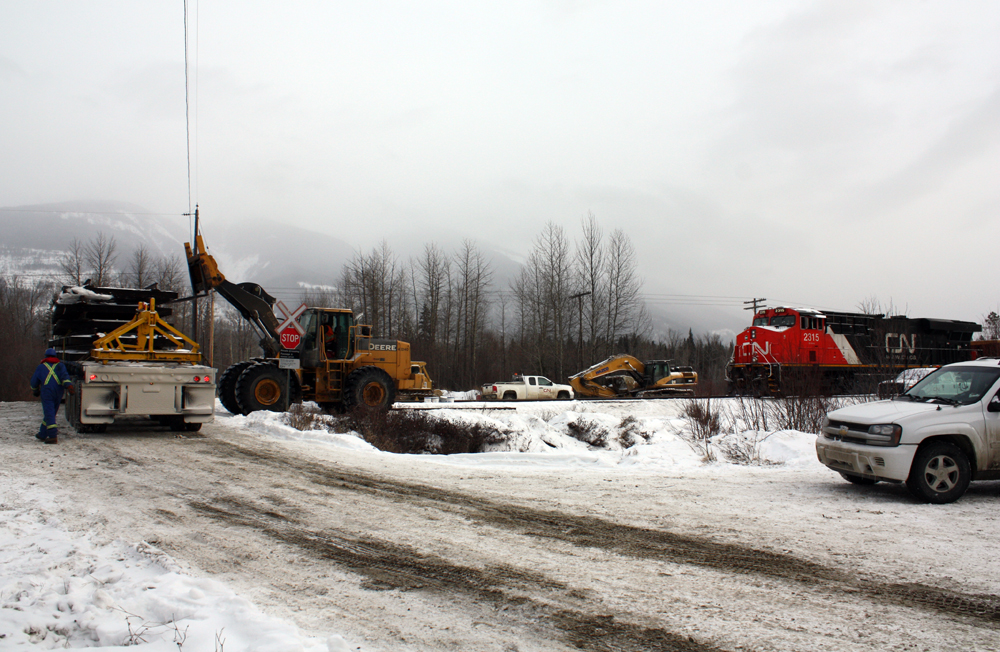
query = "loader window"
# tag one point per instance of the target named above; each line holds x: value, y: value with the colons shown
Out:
x: 307, y: 321
x: 336, y: 330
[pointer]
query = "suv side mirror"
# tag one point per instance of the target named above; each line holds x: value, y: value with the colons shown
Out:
x: 994, y: 404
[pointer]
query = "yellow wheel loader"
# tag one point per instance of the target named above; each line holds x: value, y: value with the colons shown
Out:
x: 625, y: 376
x: 337, y: 363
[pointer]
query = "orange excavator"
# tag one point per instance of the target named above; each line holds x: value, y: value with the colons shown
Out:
x: 624, y: 375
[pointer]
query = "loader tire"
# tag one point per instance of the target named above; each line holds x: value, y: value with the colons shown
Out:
x: 261, y: 386
x: 369, y: 387
x: 227, y: 386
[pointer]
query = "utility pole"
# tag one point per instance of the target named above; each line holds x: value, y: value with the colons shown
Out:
x: 754, y: 306
x: 194, y: 302
x: 579, y: 345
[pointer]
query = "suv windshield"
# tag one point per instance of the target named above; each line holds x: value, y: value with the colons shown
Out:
x: 954, y: 385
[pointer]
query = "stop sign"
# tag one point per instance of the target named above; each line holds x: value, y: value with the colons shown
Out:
x: 290, y: 338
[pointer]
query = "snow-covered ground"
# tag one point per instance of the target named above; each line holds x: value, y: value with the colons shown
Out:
x: 66, y: 584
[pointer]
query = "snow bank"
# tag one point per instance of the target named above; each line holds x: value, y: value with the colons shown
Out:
x: 648, y: 436
x: 59, y: 589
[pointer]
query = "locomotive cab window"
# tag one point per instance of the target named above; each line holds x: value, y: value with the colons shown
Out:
x: 783, y: 320
x: 760, y: 321
x: 811, y: 323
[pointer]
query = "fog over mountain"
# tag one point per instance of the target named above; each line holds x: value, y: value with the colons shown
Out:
x: 284, y: 259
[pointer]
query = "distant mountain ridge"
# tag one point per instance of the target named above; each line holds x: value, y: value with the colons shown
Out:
x: 35, y: 238
x: 281, y: 258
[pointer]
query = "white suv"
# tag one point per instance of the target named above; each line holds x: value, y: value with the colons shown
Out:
x: 937, y: 436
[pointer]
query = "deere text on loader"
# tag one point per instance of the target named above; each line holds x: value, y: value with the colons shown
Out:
x: 341, y: 366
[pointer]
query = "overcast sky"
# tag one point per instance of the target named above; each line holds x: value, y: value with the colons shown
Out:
x: 814, y: 153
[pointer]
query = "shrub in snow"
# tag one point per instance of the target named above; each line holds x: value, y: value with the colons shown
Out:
x: 744, y: 447
x: 589, y: 432
x: 598, y: 433
x: 705, y: 424
x: 629, y: 432
x: 415, y: 431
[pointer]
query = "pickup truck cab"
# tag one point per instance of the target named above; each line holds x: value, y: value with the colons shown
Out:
x: 937, y: 436
x: 527, y: 388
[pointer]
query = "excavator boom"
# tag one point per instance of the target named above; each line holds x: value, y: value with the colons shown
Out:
x: 625, y: 375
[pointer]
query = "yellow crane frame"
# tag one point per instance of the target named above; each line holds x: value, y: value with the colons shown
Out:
x: 147, y: 324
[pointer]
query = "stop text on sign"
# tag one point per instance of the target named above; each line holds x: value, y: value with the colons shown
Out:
x: 290, y: 338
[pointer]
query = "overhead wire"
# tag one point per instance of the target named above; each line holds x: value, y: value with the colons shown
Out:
x: 74, y: 212
x: 187, y: 114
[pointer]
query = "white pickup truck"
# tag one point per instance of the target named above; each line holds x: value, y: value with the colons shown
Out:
x: 937, y: 436
x: 527, y: 388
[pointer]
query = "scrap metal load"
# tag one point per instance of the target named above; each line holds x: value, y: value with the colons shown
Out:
x: 624, y: 375
x: 82, y: 314
x: 802, y: 351
x: 330, y: 359
x: 125, y: 359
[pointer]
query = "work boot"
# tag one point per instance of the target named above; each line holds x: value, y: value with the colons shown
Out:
x: 52, y: 440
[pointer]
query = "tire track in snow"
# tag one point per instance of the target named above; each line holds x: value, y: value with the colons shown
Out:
x: 388, y: 565
x: 633, y: 541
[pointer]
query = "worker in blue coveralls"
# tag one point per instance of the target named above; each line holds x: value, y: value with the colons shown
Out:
x: 48, y: 382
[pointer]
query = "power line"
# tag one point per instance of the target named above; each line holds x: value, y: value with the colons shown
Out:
x: 187, y: 111
x: 117, y: 213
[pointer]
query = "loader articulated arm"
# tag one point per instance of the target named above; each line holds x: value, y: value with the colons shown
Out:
x: 250, y: 299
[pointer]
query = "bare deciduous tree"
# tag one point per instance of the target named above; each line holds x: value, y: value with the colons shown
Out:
x: 625, y: 312
x: 375, y: 288
x: 991, y: 326
x: 139, y: 271
x: 590, y: 278
x: 73, y: 263
x: 473, y: 276
x: 23, y: 329
x: 100, y: 255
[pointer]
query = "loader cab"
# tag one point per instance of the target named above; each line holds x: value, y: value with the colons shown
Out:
x: 327, y: 335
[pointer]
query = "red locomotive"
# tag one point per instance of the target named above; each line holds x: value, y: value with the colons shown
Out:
x: 797, y: 350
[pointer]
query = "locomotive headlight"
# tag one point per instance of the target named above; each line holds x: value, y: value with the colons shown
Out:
x: 885, y: 434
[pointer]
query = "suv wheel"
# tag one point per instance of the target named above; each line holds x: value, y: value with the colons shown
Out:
x: 940, y: 474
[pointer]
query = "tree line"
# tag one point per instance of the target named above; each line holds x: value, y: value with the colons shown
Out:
x: 570, y: 305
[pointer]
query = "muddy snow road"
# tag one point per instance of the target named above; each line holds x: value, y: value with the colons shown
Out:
x: 405, y: 553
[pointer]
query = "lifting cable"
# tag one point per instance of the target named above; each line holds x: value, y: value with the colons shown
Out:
x: 187, y: 115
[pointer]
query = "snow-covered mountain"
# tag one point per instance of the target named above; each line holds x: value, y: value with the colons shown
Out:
x: 282, y: 258
x: 34, y: 238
